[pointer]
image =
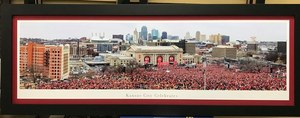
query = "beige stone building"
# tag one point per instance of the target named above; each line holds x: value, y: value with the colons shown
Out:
x: 224, y: 51
x: 155, y: 54
x: 216, y: 38
x: 188, y: 59
x: 115, y: 60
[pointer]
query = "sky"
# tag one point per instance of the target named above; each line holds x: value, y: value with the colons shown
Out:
x: 263, y: 30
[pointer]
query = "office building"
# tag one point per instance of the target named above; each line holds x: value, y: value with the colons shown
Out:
x: 164, y: 35
x: 216, y: 39
x: 252, y: 46
x: 144, y: 33
x: 198, y: 36
x: 281, y: 47
x: 190, y: 48
x: 202, y: 37
x: 155, y: 34
x: 118, y: 36
x: 104, y: 47
x: 129, y: 38
x: 150, y: 36
x: 187, y: 47
x: 188, y: 36
x: 173, y: 37
x: 225, y: 39
x: 222, y: 51
x: 74, y: 52
x: 135, y: 36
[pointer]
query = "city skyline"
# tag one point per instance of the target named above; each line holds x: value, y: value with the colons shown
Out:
x: 263, y: 30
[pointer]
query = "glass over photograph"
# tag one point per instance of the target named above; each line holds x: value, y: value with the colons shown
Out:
x: 153, y: 59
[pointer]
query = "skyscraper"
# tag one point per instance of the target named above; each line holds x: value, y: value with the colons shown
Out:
x: 135, y: 36
x: 164, y: 35
x: 198, y: 36
x: 202, y: 37
x: 224, y: 39
x: 129, y: 37
x: 187, y: 36
x: 154, y: 34
x: 144, y: 33
x: 216, y: 38
x: 149, y: 36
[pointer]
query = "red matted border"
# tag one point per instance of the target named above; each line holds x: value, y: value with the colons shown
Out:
x: 290, y: 102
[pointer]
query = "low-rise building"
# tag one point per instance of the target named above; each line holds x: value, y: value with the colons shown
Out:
x: 155, y: 54
x: 224, y: 51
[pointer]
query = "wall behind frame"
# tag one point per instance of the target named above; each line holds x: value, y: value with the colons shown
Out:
x: 161, y: 1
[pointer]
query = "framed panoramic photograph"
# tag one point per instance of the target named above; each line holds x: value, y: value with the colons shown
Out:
x: 150, y: 60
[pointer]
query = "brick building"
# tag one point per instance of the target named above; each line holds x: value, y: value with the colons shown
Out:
x: 50, y: 61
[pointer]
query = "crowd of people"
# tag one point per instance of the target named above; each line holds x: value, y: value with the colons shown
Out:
x: 212, y: 77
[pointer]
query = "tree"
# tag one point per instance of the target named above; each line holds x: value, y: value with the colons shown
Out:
x: 250, y: 54
x: 132, y: 66
x: 251, y: 65
x: 272, y: 56
x: 120, y: 68
x: 95, y: 54
x: 34, y: 72
x: 90, y: 74
x: 104, y: 68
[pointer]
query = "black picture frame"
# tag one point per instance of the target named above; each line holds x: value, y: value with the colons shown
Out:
x: 8, y: 11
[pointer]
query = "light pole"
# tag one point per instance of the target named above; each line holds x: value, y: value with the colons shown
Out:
x: 204, y: 71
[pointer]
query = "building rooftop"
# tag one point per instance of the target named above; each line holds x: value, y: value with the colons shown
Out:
x: 252, y: 42
x: 125, y: 57
x: 154, y: 48
x: 224, y: 46
x: 95, y: 38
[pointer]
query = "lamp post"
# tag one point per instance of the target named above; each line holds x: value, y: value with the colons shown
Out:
x: 204, y: 71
